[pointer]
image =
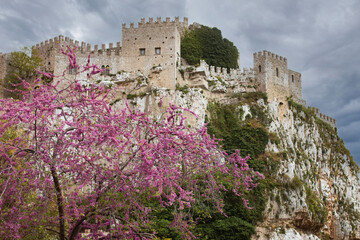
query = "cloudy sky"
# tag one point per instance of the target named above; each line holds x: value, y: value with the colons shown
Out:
x: 320, y: 38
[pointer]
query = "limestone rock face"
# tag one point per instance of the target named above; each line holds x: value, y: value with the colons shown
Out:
x: 318, y: 191
x: 321, y: 190
x: 291, y: 234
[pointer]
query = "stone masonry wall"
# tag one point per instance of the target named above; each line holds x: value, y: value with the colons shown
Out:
x: 273, y: 77
x: 324, y: 117
x: 153, y: 44
x: 152, y: 50
x: 3, y: 64
x: 276, y: 79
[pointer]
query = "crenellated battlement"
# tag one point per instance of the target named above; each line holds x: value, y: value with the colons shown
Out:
x: 158, y: 22
x: 324, y: 117
x: 157, y: 42
x: 218, y: 71
x: 81, y: 47
x: 268, y: 54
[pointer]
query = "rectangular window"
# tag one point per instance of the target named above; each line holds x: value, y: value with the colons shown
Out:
x: 142, y: 51
x: 157, y: 51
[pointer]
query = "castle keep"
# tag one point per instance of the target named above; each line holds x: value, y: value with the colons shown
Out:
x: 148, y: 57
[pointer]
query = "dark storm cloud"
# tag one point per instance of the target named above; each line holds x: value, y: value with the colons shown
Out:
x: 30, y: 22
x: 319, y: 38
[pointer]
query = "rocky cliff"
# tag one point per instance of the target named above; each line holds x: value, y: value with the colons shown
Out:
x: 312, y: 188
x: 319, y: 189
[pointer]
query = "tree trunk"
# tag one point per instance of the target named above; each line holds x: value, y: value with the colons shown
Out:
x: 60, y: 203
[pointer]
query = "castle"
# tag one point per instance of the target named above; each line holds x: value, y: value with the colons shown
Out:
x: 149, y: 56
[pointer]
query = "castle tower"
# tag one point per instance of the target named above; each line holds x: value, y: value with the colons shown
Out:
x: 271, y: 74
x: 151, y: 44
x: 295, y: 86
x: 3, y: 66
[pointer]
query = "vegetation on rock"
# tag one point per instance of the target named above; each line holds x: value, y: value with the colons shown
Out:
x: 21, y: 65
x: 208, y: 44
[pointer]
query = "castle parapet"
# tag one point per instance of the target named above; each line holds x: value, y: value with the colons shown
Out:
x: 267, y: 54
x: 325, y: 118
x: 54, y: 43
x: 158, y: 22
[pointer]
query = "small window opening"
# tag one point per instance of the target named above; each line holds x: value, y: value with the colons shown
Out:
x: 292, y: 78
x: 277, y: 72
x: 259, y: 68
x: 157, y: 51
x: 142, y: 51
x: 103, y: 70
x: 107, y: 70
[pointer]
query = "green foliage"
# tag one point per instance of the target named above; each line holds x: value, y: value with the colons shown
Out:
x: 250, y: 137
x: 225, y: 124
x: 252, y: 97
x: 325, y: 236
x: 296, y: 183
x: 131, y: 96
x: 226, y: 228
x: 348, y: 207
x: 274, y: 138
x: 163, y: 218
x: 240, y: 221
x: 208, y: 44
x: 309, y: 113
x: 182, y: 72
x: 183, y: 89
x: 21, y: 64
x: 315, y: 206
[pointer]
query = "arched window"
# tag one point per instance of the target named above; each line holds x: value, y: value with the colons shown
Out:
x: 107, y: 70
x: 277, y: 72
x: 103, y: 70
x: 259, y: 68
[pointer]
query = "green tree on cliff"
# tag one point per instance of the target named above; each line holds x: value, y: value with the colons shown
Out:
x: 20, y: 64
x: 208, y: 44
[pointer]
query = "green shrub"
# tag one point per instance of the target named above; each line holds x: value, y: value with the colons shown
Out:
x: 208, y: 44
x: 296, y: 183
x: 131, y: 96
x: 315, y: 206
x: 182, y: 72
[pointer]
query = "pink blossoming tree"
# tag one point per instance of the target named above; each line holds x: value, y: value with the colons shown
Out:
x: 72, y: 166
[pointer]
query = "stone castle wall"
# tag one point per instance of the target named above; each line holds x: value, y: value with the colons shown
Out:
x: 3, y: 65
x: 145, y: 47
x: 152, y: 49
x: 324, y: 117
x: 275, y: 78
x: 224, y: 80
x: 152, y: 44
